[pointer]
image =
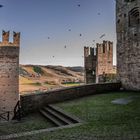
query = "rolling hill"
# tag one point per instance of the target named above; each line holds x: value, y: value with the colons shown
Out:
x: 35, y: 78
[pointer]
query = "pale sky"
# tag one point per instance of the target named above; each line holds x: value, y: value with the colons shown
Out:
x: 50, y: 29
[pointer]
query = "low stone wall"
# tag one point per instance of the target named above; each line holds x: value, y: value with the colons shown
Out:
x: 33, y: 102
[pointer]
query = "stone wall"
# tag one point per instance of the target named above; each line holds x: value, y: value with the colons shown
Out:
x: 9, y: 75
x: 128, y: 43
x: 33, y: 102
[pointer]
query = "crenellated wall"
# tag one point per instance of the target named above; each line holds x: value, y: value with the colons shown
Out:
x: 9, y: 74
x: 5, y: 39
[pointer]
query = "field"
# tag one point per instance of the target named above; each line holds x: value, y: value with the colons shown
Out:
x: 34, y: 78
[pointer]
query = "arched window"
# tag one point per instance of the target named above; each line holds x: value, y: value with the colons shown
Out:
x: 134, y: 17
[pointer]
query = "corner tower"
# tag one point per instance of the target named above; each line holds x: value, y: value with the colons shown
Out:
x: 128, y: 43
x: 9, y: 75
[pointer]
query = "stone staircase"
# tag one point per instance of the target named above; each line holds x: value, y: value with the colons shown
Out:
x: 57, y: 116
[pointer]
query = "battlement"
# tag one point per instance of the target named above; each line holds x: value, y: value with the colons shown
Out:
x: 89, y: 51
x: 105, y: 47
x: 5, y: 39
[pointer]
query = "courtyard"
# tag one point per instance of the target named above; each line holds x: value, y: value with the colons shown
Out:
x: 101, y: 119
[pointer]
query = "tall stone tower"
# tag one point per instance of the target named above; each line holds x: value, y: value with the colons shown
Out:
x: 9, y: 75
x: 90, y: 64
x: 128, y: 43
x: 104, y: 59
x: 98, y: 62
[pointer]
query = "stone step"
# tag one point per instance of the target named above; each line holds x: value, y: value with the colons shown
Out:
x: 51, y: 117
x: 58, y: 115
x: 70, y: 117
x: 55, y: 115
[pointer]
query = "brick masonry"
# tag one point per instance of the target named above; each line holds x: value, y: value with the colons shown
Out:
x: 98, y: 62
x: 128, y: 43
x: 9, y: 75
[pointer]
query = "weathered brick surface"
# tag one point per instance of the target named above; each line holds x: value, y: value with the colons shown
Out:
x: 9, y: 76
x: 128, y: 43
x: 98, y: 61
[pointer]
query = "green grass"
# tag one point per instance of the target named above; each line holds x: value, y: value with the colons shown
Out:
x: 102, y: 119
x: 34, y: 84
x: 29, y: 123
x: 71, y: 84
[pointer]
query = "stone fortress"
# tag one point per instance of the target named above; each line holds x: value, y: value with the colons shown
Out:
x: 9, y: 75
x: 98, y: 62
x: 128, y: 43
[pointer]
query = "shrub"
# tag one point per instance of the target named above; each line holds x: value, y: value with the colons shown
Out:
x: 38, y: 69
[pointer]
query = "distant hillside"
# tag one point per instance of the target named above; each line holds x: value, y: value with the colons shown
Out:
x: 37, y: 77
x: 76, y: 69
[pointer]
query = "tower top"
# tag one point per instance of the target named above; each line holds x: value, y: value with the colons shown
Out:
x: 5, y: 39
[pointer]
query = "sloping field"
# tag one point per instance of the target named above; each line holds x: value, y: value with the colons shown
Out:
x: 34, y: 78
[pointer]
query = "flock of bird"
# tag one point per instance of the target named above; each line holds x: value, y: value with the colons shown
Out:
x: 65, y: 46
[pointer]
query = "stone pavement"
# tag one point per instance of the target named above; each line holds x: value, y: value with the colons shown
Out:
x: 124, y: 101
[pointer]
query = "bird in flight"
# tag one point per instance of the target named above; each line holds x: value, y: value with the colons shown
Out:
x: 102, y: 36
x: 78, y: 5
x: 1, y: 6
x: 80, y: 34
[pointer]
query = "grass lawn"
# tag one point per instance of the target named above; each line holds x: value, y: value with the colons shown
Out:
x: 102, y: 119
x: 29, y: 123
x: 34, y: 84
x: 71, y: 84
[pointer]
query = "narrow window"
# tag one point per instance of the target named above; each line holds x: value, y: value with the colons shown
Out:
x: 103, y: 48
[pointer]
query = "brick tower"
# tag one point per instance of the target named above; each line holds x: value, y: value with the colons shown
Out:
x: 104, y: 59
x: 98, y: 62
x: 9, y: 74
x: 128, y: 43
